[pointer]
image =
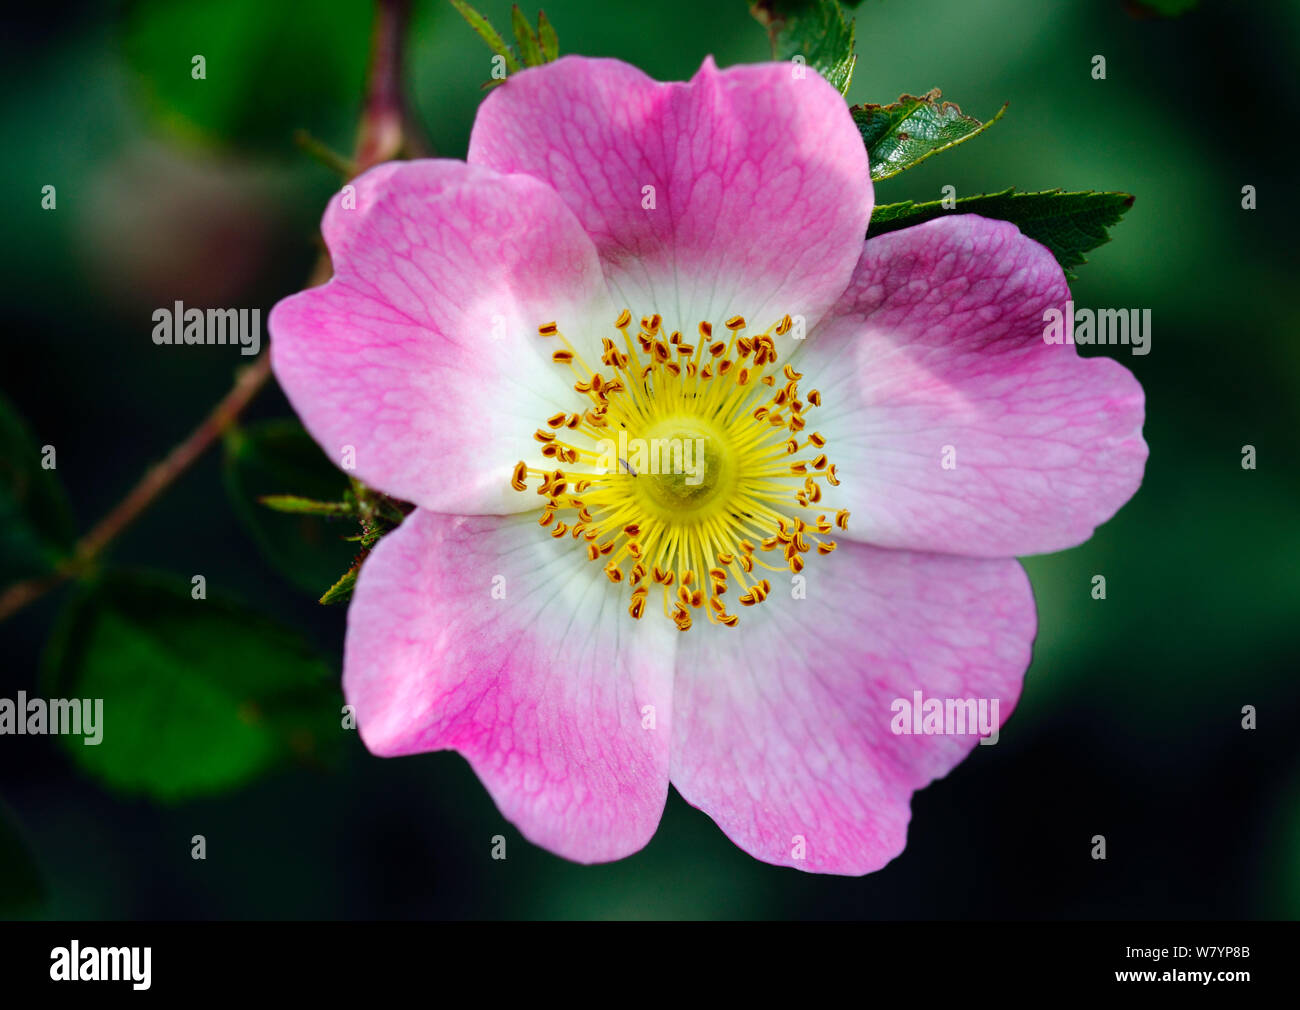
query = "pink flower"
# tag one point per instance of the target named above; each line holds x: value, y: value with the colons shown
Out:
x: 826, y: 560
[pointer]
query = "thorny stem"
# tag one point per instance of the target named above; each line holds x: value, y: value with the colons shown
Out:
x: 385, y: 131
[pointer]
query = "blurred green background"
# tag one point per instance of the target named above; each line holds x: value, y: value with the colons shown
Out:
x: 1130, y: 724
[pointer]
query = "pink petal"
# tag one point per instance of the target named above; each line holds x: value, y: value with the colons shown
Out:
x: 544, y: 691
x: 782, y: 725
x: 938, y: 342
x: 760, y: 180
x: 422, y: 353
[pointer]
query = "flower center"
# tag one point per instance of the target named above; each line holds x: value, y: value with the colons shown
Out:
x: 683, y: 465
x: 690, y: 470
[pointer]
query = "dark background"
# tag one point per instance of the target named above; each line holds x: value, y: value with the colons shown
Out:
x: 1130, y: 724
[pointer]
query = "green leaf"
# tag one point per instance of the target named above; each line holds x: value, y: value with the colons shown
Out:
x: 36, y: 528
x: 198, y: 696
x: 483, y: 28
x: 815, y: 30
x: 904, y: 134
x: 294, y: 505
x: 269, y: 67
x: 550, y: 42
x: 341, y: 591
x: 280, y: 461
x: 1069, y: 224
x: 22, y: 886
x: 528, y: 45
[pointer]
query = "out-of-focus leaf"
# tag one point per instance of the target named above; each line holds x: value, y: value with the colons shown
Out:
x: 22, y: 887
x: 270, y: 67
x: 1069, y: 224
x: 904, y: 134
x: 35, y: 521
x: 279, y: 460
x: 1160, y: 8
x: 816, y: 31
x: 199, y: 695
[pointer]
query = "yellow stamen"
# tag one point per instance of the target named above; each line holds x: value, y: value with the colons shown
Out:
x: 688, y: 454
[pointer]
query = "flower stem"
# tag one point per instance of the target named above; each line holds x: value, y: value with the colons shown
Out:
x: 155, y: 480
x: 384, y: 133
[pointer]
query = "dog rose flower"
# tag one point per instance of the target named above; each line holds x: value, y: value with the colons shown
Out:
x: 704, y: 481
